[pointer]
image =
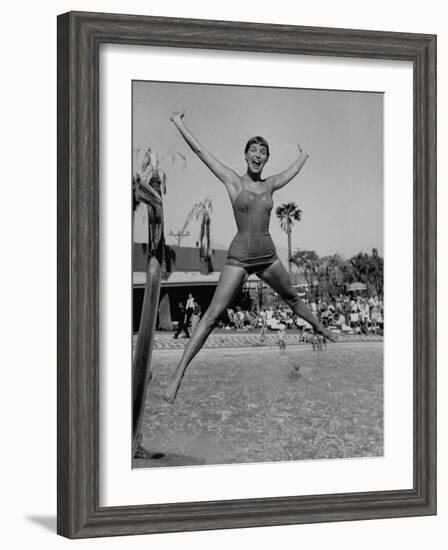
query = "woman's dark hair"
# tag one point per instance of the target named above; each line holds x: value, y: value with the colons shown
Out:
x: 259, y: 141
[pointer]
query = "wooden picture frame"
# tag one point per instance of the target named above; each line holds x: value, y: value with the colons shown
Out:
x: 79, y: 38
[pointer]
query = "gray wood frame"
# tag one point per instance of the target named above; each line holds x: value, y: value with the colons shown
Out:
x: 79, y: 38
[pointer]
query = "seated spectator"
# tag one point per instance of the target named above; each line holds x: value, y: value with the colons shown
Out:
x: 324, y: 316
x: 340, y: 321
x: 239, y: 318
x: 231, y: 317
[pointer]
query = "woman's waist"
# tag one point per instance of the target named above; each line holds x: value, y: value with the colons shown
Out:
x: 253, y: 245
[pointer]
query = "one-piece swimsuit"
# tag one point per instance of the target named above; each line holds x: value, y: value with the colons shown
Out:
x: 252, y: 247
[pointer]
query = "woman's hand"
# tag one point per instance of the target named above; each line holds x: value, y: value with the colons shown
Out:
x: 177, y: 116
x: 226, y: 175
x: 302, y: 152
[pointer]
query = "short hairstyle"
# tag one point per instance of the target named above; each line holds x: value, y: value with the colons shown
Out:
x: 258, y: 140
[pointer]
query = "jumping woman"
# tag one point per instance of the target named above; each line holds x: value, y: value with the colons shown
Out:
x: 252, y: 250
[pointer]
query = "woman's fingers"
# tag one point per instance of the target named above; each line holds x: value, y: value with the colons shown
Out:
x: 177, y: 115
x: 302, y: 152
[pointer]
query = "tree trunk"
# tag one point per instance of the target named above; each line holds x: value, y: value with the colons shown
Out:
x: 203, y: 267
x: 141, y: 372
x: 289, y: 248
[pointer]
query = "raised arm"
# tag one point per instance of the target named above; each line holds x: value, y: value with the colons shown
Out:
x: 222, y: 172
x: 280, y: 180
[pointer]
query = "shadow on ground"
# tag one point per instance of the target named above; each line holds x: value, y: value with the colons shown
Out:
x: 162, y: 460
x: 46, y: 522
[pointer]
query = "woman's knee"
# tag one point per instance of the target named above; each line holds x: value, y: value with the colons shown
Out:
x: 211, y: 318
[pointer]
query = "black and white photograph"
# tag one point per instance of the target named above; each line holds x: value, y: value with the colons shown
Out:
x: 224, y: 255
x: 257, y: 269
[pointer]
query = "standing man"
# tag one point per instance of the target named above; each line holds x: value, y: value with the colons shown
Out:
x: 189, y: 308
x: 182, y: 322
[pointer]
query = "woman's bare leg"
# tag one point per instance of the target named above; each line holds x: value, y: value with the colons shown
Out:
x: 277, y: 278
x: 230, y: 282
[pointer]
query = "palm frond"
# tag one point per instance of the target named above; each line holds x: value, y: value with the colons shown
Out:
x: 284, y: 224
x: 143, y: 165
x: 190, y: 216
x: 172, y: 157
x: 287, y: 213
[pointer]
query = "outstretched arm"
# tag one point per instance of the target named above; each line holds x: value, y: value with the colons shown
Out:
x: 222, y: 172
x: 280, y: 180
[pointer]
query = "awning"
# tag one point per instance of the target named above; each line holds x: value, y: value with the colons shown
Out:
x: 185, y: 278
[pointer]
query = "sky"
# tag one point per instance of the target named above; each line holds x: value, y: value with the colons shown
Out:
x: 339, y: 190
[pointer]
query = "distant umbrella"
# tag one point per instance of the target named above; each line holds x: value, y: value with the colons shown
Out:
x: 354, y: 287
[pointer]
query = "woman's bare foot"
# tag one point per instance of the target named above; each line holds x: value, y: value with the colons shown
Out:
x: 141, y: 452
x: 169, y: 395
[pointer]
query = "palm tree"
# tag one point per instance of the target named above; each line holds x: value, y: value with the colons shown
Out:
x: 149, y: 184
x: 287, y: 214
x: 369, y: 270
x: 202, y: 211
x: 309, y: 263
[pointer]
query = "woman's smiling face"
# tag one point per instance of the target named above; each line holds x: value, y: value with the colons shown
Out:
x: 256, y: 157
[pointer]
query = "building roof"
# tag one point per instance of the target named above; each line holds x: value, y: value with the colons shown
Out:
x: 186, y: 259
x: 187, y: 265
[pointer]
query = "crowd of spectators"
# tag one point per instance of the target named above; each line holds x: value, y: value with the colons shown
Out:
x: 344, y: 313
x: 349, y: 314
